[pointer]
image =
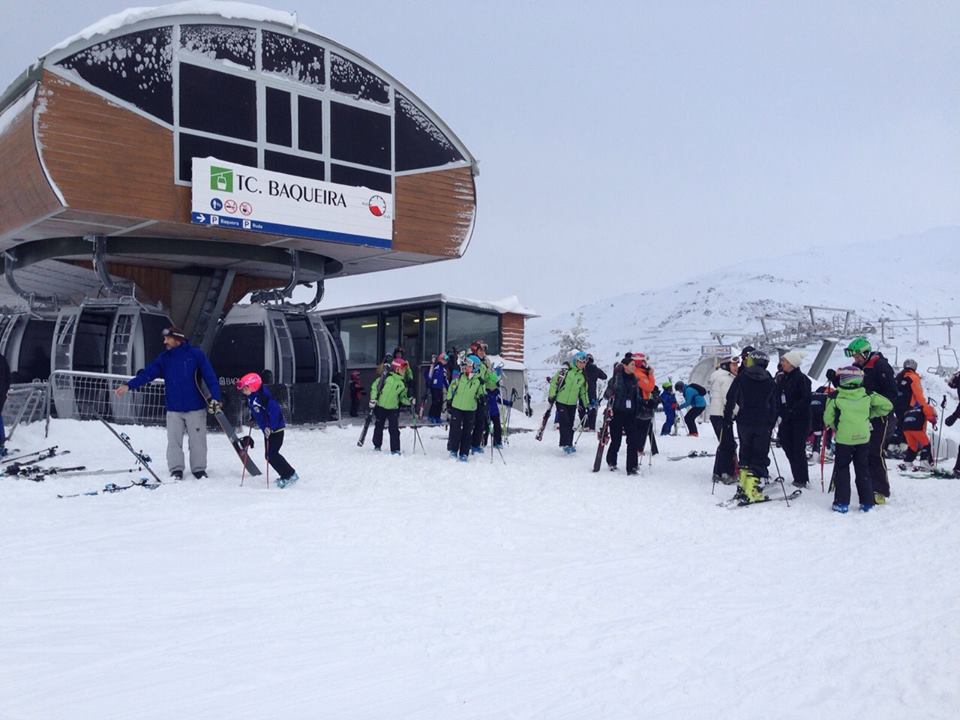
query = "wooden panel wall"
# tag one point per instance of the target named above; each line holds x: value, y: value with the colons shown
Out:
x: 435, y: 211
x: 511, y: 341
x: 25, y: 193
x: 104, y: 158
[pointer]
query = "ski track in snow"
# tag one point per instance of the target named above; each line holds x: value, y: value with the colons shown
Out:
x: 418, y: 587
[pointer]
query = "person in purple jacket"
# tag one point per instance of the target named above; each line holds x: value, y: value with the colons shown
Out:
x: 437, y: 382
x: 179, y: 366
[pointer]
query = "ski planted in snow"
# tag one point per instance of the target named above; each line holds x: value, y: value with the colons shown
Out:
x: 369, y: 418
x: 224, y: 422
x: 603, y: 435
x: 550, y: 403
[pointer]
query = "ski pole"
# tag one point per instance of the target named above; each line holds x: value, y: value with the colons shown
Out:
x: 266, y: 449
x: 943, y: 409
x: 246, y: 451
x: 823, y: 453
x: 779, y: 477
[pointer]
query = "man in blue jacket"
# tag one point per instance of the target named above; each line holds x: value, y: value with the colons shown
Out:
x: 178, y: 365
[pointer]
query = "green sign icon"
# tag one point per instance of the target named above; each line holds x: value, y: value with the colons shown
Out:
x: 221, y: 179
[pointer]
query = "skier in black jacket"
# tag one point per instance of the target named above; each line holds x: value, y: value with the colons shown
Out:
x: 878, y: 377
x: 752, y: 398
x: 625, y: 394
x: 793, y: 407
x: 593, y: 373
x: 4, y: 389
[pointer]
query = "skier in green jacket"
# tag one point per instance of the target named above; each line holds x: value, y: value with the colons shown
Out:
x: 567, y: 394
x: 848, y: 414
x: 464, y: 395
x: 387, y: 399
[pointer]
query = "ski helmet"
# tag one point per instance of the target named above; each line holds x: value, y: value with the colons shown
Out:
x: 909, y: 364
x: 579, y: 356
x: 478, y: 345
x: 667, y: 385
x: 399, y: 366
x: 250, y: 380
x: 680, y: 386
x: 745, y: 352
x: 858, y: 346
x: 850, y: 376
x: 758, y: 358
x: 473, y: 362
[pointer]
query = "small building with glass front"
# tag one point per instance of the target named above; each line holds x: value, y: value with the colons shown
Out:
x: 426, y: 326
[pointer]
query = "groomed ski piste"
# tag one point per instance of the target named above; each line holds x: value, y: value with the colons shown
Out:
x: 420, y: 587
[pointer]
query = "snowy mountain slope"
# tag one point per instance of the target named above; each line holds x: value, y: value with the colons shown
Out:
x: 891, y: 278
x: 417, y: 587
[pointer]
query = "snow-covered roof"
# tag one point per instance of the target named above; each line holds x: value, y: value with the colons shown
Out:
x: 510, y: 304
x: 224, y: 9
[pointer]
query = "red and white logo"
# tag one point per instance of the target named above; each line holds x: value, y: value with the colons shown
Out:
x: 230, y: 205
x: 377, y: 205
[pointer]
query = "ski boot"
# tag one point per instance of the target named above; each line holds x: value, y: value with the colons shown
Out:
x: 749, y: 485
x: 498, y: 446
x: 568, y: 449
x: 287, y: 481
x: 866, y: 507
x: 176, y: 475
x: 802, y: 484
x: 879, y: 499
x: 476, y: 450
x: 453, y: 454
x: 840, y: 507
x: 394, y: 452
x: 464, y: 458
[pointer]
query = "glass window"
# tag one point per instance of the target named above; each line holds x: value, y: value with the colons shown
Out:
x: 304, y: 347
x: 431, y: 333
x: 360, y: 178
x: 465, y: 326
x: 279, y: 128
x: 192, y: 146
x: 134, y: 67
x: 359, y: 336
x: 349, y: 78
x: 221, y: 42
x: 294, y: 165
x: 359, y: 135
x: 34, y: 360
x: 410, y: 337
x: 90, y: 342
x: 420, y: 143
x: 391, y: 334
x: 153, y: 326
x: 237, y: 349
x: 218, y: 103
x: 293, y: 58
x: 310, y: 124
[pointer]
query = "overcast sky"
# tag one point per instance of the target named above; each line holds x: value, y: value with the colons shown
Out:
x: 624, y: 145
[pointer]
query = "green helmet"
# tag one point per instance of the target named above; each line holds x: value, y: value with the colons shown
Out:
x: 858, y: 346
x: 667, y: 385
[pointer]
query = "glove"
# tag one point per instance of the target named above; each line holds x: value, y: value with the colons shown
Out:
x: 373, y: 404
x: 214, y: 406
x: 934, y: 424
x: 950, y: 420
x: 266, y: 433
x: 246, y: 442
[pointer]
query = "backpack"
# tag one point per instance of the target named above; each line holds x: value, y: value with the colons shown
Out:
x: 913, y: 420
x: 699, y: 388
x: 901, y: 401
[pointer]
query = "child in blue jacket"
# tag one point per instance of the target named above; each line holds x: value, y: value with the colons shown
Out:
x: 669, y: 402
x: 266, y: 412
x: 693, y: 399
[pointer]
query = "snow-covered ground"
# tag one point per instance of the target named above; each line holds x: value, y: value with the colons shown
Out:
x: 419, y: 587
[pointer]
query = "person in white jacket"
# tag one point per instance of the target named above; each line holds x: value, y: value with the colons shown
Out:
x: 717, y: 385
x: 725, y: 462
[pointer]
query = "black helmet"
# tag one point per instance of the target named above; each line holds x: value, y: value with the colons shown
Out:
x: 758, y: 358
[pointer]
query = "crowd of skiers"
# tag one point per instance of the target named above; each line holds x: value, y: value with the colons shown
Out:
x: 466, y: 384
x: 854, y: 416
x: 860, y: 410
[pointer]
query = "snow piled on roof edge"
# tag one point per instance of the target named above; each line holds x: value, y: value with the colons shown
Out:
x: 227, y: 9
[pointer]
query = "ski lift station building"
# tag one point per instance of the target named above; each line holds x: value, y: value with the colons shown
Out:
x: 199, y: 151
x: 203, y: 150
